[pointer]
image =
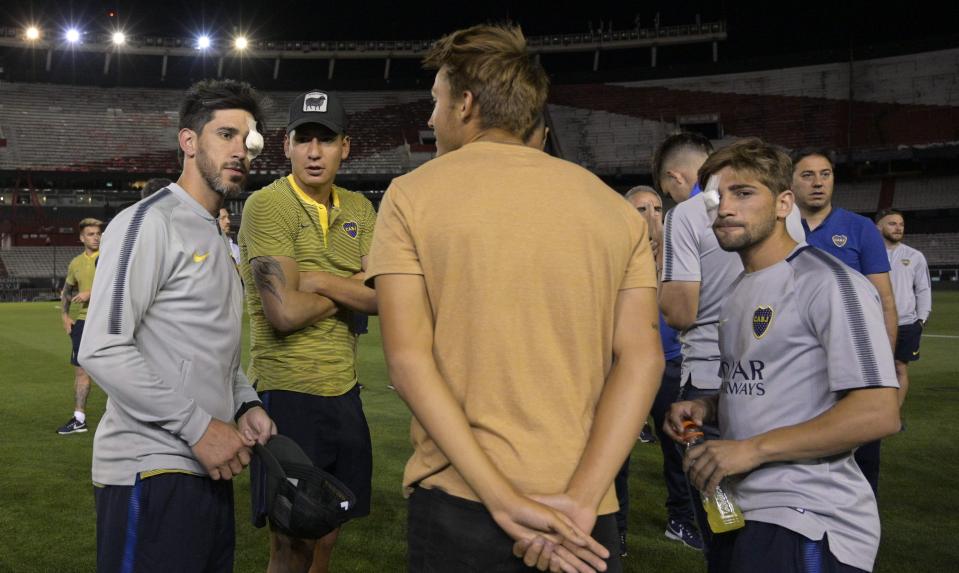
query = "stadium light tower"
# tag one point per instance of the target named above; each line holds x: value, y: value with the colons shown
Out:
x: 119, y: 38
x: 203, y: 42
x: 73, y: 35
x: 240, y: 43
x: 32, y: 33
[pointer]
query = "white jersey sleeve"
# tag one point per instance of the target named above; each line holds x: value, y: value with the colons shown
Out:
x: 922, y: 287
x: 846, y: 316
x: 681, y: 250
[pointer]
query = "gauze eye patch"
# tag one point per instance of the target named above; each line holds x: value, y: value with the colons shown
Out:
x: 254, y: 141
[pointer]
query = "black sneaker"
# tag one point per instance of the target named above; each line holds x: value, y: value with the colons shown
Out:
x: 72, y: 427
x: 646, y: 435
x: 685, y: 533
x: 622, y: 545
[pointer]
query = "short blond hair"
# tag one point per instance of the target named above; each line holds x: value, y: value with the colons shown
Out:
x: 492, y: 63
x: 91, y: 222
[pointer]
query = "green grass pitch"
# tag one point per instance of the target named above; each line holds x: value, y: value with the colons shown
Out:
x: 46, y: 500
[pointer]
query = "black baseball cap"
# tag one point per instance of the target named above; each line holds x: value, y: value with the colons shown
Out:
x: 318, y: 106
x: 302, y: 501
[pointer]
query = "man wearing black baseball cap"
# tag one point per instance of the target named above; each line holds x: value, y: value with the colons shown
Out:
x: 303, y: 246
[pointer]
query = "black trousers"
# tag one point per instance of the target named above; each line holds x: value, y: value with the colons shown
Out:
x: 447, y: 533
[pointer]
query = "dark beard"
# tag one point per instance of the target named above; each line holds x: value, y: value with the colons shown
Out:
x: 212, y: 176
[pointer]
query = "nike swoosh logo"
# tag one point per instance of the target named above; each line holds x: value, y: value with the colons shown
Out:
x: 198, y: 258
x: 916, y: 353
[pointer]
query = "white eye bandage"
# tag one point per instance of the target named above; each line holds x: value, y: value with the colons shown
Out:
x: 254, y: 141
x: 711, y: 196
x: 794, y: 225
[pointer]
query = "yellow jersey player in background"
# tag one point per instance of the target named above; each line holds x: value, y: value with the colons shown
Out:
x: 76, y: 289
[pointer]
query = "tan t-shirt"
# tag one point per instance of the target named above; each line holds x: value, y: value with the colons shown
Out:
x: 523, y: 257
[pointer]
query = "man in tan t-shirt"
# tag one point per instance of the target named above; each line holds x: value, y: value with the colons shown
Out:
x: 517, y: 295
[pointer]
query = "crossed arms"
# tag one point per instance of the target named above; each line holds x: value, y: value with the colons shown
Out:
x: 293, y: 300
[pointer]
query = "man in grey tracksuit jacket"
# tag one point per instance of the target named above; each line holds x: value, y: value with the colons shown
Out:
x: 163, y: 342
x: 166, y: 340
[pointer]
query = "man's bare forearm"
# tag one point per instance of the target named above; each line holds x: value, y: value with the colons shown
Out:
x: 268, y: 277
x: 862, y: 416
x: 622, y: 410
x: 627, y: 396
x: 66, y: 298
x: 286, y: 308
x: 679, y: 303
x: 889, y: 314
x: 347, y: 292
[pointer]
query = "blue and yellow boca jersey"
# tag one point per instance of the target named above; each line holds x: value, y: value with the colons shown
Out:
x: 851, y: 238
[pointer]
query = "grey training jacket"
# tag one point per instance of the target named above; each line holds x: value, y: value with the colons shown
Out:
x: 162, y: 337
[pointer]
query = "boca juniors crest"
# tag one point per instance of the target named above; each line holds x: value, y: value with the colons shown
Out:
x: 351, y: 228
x: 762, y: 318
x: 839, y: 240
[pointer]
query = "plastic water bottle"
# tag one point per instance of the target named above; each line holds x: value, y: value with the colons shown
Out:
x: 721, y: 511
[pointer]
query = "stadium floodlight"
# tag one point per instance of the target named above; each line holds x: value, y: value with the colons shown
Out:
x: 241, y: 43
x: 203, y: 42
x: 119, y: 38
x: 73, y: 35
x: 33, y: 33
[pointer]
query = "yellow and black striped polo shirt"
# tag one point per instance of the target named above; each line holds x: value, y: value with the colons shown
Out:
x: 80, y: 274
x: 282, y: 220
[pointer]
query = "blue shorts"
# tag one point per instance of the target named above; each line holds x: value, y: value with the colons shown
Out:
x: 449, y: 533
x: 76, y: 333
x: 168, y: 522
x: 332, y: 431
x: 761, y: 547
x: 907, y: 342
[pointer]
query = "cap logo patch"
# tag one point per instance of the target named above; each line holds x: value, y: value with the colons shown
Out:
x: 839, y: 240
x: 762, y: 318
x: 351, y: 228
x: 905, y: 262
x: 315, y: 101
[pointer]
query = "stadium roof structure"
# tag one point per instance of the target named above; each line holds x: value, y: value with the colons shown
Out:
x: 116, y: 42
x: 753, y: 27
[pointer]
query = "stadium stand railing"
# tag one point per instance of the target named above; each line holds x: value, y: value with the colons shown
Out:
x: 38, y: 262
x: 133, y: 130
x: 940, y: 249
x: 927, y: 193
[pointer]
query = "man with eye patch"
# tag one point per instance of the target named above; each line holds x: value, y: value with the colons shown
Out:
x: 162, y: 339
x: 303, y: 249
x: 807, y: 377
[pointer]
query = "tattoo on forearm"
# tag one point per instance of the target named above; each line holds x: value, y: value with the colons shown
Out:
x: 65, y: 298
x: 266, y: 270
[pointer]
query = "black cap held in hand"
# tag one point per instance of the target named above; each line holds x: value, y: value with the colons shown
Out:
x: 302, y: 501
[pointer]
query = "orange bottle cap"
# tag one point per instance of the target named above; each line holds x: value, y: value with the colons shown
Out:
x: 691, y: 430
